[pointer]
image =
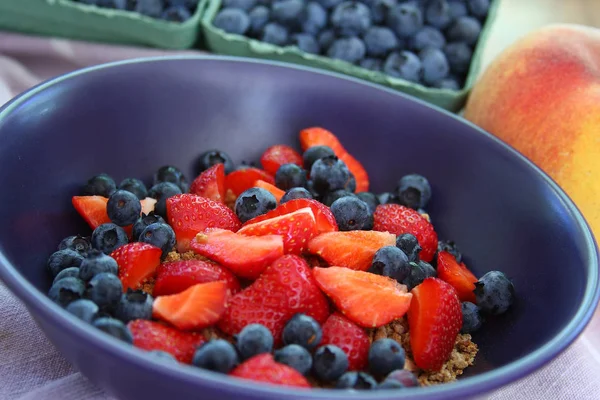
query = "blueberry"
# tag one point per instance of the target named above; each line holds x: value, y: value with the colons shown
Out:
x: 494, y: 293
x: 404, y: 65
x: 356, y: 380
x: 380, y: 41
x: 275, y: 33
x: 161, y: 192
x: 63, y: 259
x: 450, y: 247
x: 352, y: 214
x: 108, y: 237
x: 302, y: 330
x: 105, y: 291
x: 169, y: 173
x: 259, y: 17
x: 254, y: 202
x: 369, y: 198
x: 329, y: 3
x: 232, y: 20
x: 472, y: 319
x: 391, y: 261
x: 135, y: 304
x: 325, y: 39
x: 212, y: 157
x: 71, y: 272
x: 385, y: 356
x: 312, y: 154
x: 400, y: 378
x: 428, y: 37
x: 306, y: 42
x: 314, y: 18
x: 254, y: 339
x: 151, y: 8
x: 414, y: 191
x: 409, y: 244
x: 241, y: 4
x: 405, y: 19
x: 419, y: 271
x: 295, y: 193
x: 84, y: 309
x: 176, y: 14
x: 216, y: 355
x: 464, y: 29
x: 289, y: 176
x: 435, y: 65
x: 380, y: 9
x: 329, y: 363
x: 330, y: 197
x: 437, y: 14
x: 449, y: 83
x: 350, y: 49
x: 95, y: 263
x: 115, y: 328
x: 134, y: 186
x: 143, y: 222
x: 160, y: 235
x: 373, y: 64
x: 459, y: 56
x: 310, y: 186
x: 77, y: 243
x: 162, y: 356
x: 388, y: 198
x: 123, y: 208
x: 100, y: 185
x: 351, y: 18
x: 457, y: 9
x: 66, y: 290
x: 329, y: 174
x: 294, y: 356
x: 288, y: 12
x: 479, y: 8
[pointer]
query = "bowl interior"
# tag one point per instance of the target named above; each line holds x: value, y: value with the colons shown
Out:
x: 128, y: 120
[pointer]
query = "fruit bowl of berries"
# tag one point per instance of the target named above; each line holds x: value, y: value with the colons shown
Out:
x: 250, y: 230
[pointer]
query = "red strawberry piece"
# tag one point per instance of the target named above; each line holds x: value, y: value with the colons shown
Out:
x: 457, y: 275
x: 274, y: 190
x: 398, y: 219
x: 351, y: 338
x: 367, y: 299
x: 275, y: 156
x: 285, y: 288
x: 137, y: 263
x: 321, y: 137
x: 148, y: 205
x: 245, y: 256
x: 151, y: 335
x: 264, y: 368
x: 351, y: 249
x: 323, y: 215
x: 195, y: 308
x: 243, y: 179
x: 434, y: 320
x: 296, y: 228
x: 92, y: 209
x: 189, y: 214
x: 210, y: 184
x: 176, y: 276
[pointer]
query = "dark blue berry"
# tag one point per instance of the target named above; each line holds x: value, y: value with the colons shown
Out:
x: 306, y: 42
x: 241, y: 4
x: 369, y: 198
x: 151, y: 8
x: 373, y: 64
x: 404, y: 65
x: 352, y: 214
x: 96, y: 262
x: 409, y: 244
x: 295, y: 193
x: 464, y: 29
x: 289, y: 176
x: 331, y: 197
x: 302, y: 330
x: 414, y: 191
x: 449, y: 83
x: 314, y: 18
x: 254, y: 339
x: 380, y: 9
x: 160, y: 235
x: 78, y: 243
x: 450, y: 247
x: 143, y: 222
x: 115, y: 328
x: 123, y: 208
x: 459, y: 56
x: 172, y: 174
x: 162, y: 356
x: 288, y: 12
x: 457, y: 9
x: 66, y: 290
x: 100, y: 185
x: 216, y: 355
x: 437, y: 14
x: 71, y: 272
x: 391, y: 261
x: 380, y: 41
x: 259, y: 17
x: 232, y: 20
x: 275, y: 33
x: 294, y: 356
x: 212, y: 157
x: 135, y: 304
x: 405, y: 19
x: 398, y: 379
x: 310, y: 186
x: 105, y: 291
x: 84, y: 309
x: 419, y: 271
x: 388, y: 198
x: 356, y: 380
x: 134, y: 186
x: 479, y: 8
x: 329, y: 174
x: 435, y: 65
x: 350, y: 49
x: 329, y: 363
x: 351, y: 18
x: 385, y: 356
x: 428, y: 37
x: 108, y: 237
x: 176, y: 14
x: 312, y: 154
x: 254, y: 202
x: 161, y: 192
x: 328, y: 4
x: 325, y: 39
x: 494, y: 293
x: 63, y: 259
x: 472, y: 319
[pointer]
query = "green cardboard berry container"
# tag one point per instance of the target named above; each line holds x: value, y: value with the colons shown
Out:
x: 218, y: 41
x: 68, y: 19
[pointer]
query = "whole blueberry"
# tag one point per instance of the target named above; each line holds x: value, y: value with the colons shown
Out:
x: 329, y: 174
x: 160, y: 235
x: 404, y: 65
x: 295, y: 193
x: 472, y: 319
x: 464, y: 29
x: 479, y: 8
x: 216, y: 355
x: 232, y: 20
x: 105, y: 291
x: 352, y: 214
x: 409, y: 244
x: 67, y: 290
x: 435, y: 65
x: 449, y: 83
x: 329, y: 363
x: 350, y: 49
x: 494, y: 292
x: 254, y: 202
x: 108, y: 237
x: 289, y: 176
x: 414, y: 191
x: 351, y: 18
x: 241, y: 4
x: 71, y: 272
x: 63, y: 259
x: 85, y: 310
x: 314, y: 18
x: 76, y: 242
x: 161, y: 192
x: 151, y: 8
x: 134, y: 186
x: 295, y: 356
x: 330, y: 197
x: 380, y: 9
x: 212, y: 157
x: 302, y: 330
x: 96, y: 262
x: 312, y: 154
x: 392, y: 262
x: 115, y: 328
x: 306, y: 42
x: 419, y: 271
x: 385, y: 356
x: 325, y: 39
x: 398, y: 379
x: 459, y: 56
x: 259, y: 17
x: 169, y: 173
x: 405, y: 19
x: 176, y: 14
x: 450, y: 247
x: 437, y: 14
x: 356, y: 380
x: 100, y: 185
x: 275, y: 33
x: 380, y: 41
x: 123, y: 208
x: 252, y: 340
x: 369, y: 198
x: 134, y: 304
x: 457, y: 9
x: 428, y: 37
x: 328, y: 4
x: 143, y: 222
x: 373, y: 64
x: 288, y: 12
x: 162, y: 356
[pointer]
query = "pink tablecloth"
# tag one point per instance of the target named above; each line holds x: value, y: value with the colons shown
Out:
x: 32, y: 369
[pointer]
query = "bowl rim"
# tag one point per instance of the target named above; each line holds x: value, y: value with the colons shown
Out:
x: 468, y: 386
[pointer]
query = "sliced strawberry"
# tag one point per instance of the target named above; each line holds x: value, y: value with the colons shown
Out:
x: 351, y: 249
x: 92, y: 209
x: 457, y: 275
x: 275, y: 156
x: 321, y: 137
x: 274, y: 190
x: 243, y: 179
x: 210, y: 184
x: 296, y: 228
x: 367, y: 299
x: 398, y: 219
x: 148, y: 205
x: 351, y: 338
x: 150, y: 335
x: 195, y: 308
x: 137, y: 263
x: 285, y: 288
x: 245, y: 256
x: 263, y: 368
x: 189, y: 214
x: 434, y: 320
x: 176, y: 276
x: 323, y: 215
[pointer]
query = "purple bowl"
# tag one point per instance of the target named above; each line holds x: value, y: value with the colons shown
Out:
x: 129, y: 118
